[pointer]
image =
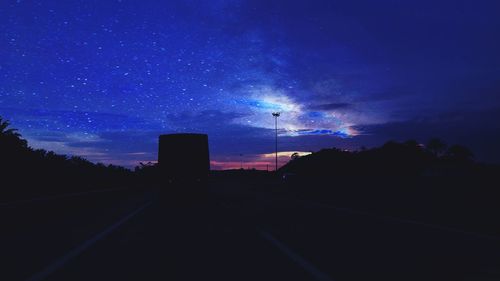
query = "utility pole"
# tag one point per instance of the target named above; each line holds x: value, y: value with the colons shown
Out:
x: 276, y: 115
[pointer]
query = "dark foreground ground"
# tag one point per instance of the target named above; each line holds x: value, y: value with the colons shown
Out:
x: 228, y: 234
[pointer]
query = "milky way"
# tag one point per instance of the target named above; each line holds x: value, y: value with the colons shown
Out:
x: 103, y: 79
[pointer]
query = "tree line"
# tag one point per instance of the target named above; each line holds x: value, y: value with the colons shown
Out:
x: 26, y: 171
x: 433, y: 183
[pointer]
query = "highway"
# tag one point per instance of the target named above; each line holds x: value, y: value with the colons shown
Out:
x: 148, y: 235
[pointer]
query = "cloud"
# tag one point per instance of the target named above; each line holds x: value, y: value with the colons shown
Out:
x: 331, y: 106
x: 295, y: 119
x: 341, y: 133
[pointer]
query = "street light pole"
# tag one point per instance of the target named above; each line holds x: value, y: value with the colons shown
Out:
x: 276, y: 115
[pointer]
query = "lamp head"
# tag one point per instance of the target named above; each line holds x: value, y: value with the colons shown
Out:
x: 276, y: 114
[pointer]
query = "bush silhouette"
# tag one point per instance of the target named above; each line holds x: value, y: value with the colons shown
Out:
x: 436, y: 147
x: 459, y: 153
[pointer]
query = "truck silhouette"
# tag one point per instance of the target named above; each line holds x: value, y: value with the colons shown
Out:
x: 184, y: 157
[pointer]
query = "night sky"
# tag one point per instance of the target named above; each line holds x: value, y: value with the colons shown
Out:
x: 102, y: 79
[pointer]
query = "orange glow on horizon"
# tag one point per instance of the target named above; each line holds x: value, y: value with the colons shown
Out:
x: 263, y: 161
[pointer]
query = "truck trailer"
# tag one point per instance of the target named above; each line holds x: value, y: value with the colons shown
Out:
x: 184, y: 157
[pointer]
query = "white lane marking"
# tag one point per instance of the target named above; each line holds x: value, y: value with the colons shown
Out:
x: 309, y: 267
x: 46, y: 198
x: 399, y: 220
x: 41, y: 275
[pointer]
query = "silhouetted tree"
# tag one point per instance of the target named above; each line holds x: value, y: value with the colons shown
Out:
x: 459, y: 153
x: 10, y: 136
x: 436, y: 147
x: 4, y: 131
x: 412, y: 143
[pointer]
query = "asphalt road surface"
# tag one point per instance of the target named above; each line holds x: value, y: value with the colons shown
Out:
x: 139, y: 235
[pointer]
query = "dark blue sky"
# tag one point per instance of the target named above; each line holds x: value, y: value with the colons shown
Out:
x: 102, y: 79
